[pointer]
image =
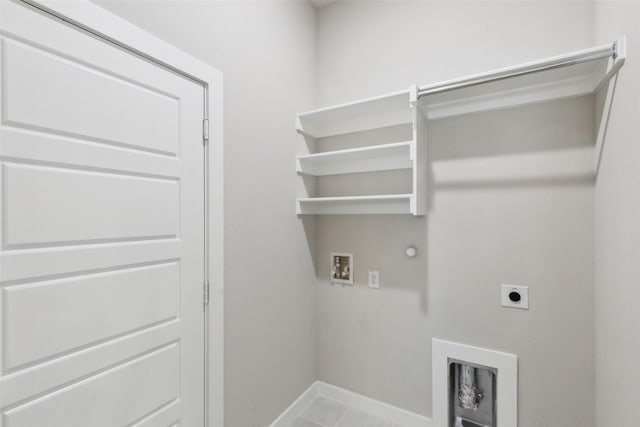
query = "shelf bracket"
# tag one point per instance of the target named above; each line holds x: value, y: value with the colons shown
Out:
x: 419, y: 155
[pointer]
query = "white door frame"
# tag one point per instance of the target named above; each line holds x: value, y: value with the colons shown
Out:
x: 104, y: 24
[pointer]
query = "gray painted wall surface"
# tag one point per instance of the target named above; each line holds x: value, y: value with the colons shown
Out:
x: 266, y: 51
x: 511, y: 201
x: 617, y: 235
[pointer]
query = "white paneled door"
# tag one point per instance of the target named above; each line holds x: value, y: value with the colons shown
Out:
x: 102, y: 232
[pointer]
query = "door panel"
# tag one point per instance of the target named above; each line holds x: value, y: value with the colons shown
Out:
x: 82, y: 154
x: 21, y: 387
x: 100, y: 401
x: 102, y: 232
x: 77, y: 209
x: 30, y: 70
x: 40, y: 308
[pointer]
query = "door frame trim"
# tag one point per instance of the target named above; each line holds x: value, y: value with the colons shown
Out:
x: 104, y: 24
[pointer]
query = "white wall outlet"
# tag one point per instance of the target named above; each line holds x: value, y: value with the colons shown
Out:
x: 374, y: 279
x: 515, y: 296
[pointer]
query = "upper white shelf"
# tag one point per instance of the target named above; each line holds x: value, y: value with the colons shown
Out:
x: 573, y: 74
x: 365, y: 159
x: 373, y: 113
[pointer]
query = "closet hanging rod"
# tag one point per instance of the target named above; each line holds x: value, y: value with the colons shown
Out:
x: 587, y: 55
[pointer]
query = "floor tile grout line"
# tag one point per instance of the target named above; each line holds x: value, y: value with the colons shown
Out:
x: 299, y: 414
x: 342, y: 416
x: 307, y: 407
x: 307, y: 419
x: 315, y: 398
x: 380, y: 422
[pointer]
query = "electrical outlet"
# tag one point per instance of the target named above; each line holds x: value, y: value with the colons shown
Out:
x: 515, y: 296
x: 374, y: 279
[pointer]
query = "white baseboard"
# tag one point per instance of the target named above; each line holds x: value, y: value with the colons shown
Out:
x: 354, y: 401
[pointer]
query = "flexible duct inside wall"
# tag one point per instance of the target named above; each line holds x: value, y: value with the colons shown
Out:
x: 468, y: 394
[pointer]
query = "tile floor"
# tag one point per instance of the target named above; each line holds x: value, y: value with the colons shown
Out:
x: 323, y: 412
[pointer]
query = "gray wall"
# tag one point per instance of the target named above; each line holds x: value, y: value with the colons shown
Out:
x: 511, y: 201
x: 266, y: 51
x: 617, y: 236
